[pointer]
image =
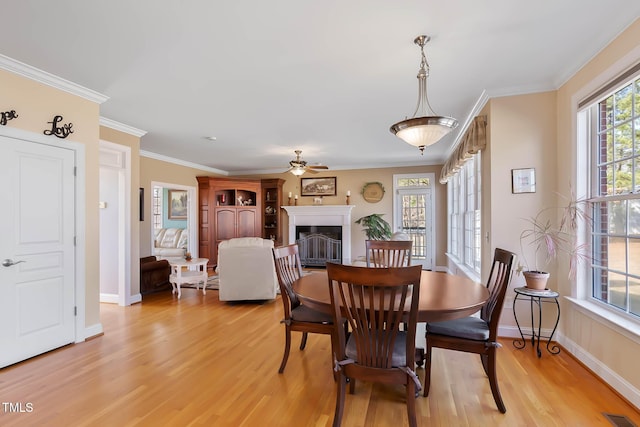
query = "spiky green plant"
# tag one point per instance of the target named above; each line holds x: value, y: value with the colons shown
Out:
x: 375, y: 227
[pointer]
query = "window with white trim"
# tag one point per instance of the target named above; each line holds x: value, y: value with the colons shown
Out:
x: 613, y: 134
x: 156, y: 209
x: 464, y: 214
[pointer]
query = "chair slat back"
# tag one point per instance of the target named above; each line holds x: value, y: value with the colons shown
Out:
x: 388, y: 253
x: 288, y: 270
x: 375, y: 301
x: 497, y: 284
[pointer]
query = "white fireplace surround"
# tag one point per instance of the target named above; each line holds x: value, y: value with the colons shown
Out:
x: 323, y: 215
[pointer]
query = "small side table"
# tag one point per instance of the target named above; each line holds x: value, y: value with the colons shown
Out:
x: 196, y: 273
x: 538, y: 297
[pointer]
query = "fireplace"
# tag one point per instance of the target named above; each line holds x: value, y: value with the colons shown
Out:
x: 319, y: 244
x: 324, y: 216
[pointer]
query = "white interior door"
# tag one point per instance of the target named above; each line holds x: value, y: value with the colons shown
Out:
x: 37, y: 253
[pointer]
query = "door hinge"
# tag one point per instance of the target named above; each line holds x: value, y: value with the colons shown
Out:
x: 75, y: 171
x: 75, y: 240
x: 75, y: 310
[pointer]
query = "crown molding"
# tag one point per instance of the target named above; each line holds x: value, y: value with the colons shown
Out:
x: 122, y: 127
x: 175, y: 161
x: 48, y: 79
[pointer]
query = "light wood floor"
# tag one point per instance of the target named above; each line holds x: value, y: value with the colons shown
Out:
x: 197, y: 361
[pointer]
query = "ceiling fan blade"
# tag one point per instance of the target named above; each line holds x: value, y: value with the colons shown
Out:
x: 308, y: 169
x: 317, y: 167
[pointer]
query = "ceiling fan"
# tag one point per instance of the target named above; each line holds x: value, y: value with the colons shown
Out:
x: 299, y: 166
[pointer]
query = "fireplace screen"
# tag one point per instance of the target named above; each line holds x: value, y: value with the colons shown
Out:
x: 318, y: 245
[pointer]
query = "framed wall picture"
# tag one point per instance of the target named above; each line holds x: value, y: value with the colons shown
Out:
x: 177, y: 204
x: 318, y: 186
x: 141, y: 204
x: 523, y: 180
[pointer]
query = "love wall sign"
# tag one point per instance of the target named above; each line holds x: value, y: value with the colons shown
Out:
x: 61, y: 131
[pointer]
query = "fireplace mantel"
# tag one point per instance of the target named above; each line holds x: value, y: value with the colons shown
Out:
x: 323, y: 215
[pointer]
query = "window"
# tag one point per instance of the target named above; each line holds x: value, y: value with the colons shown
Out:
x: 464, y: 214
x: 614, y: 136
x: 156, y: 209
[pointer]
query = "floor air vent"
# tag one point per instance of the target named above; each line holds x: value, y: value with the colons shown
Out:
x: 619, y: 420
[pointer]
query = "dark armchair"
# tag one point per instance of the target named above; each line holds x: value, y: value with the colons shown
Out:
x: 154, y: 274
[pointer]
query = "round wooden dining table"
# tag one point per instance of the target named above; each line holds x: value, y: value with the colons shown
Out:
x: 442, y: 296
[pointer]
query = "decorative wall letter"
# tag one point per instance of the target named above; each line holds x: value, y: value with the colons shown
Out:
x: 60, y: 132
x: 5, y: 116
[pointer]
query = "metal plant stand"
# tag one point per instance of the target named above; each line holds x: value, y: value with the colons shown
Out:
x: 538, y: 297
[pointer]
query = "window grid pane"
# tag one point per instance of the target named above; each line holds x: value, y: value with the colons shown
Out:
x: 156, y: 209
x: 464, y: 219
x: 615, y: 237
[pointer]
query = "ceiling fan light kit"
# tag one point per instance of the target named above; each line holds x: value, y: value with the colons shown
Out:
x: 299, y: 166
x: 425, y: 127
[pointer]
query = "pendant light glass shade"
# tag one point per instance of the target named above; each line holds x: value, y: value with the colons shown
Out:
x: 425, y: 127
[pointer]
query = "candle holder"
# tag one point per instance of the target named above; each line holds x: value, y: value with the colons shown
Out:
x: 289, y: 201
x: 295, y: 202
x: 348, y: 200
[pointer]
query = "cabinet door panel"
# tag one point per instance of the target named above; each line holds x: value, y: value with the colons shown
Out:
x: 247, y: 223
x: 225, y: 224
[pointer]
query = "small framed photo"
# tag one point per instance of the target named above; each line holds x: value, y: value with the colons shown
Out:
x: 177, y: 204
x: 523, y: 180
x: 318, y: 186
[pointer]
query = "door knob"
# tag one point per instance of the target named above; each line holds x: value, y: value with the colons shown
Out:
x: 9, y: 262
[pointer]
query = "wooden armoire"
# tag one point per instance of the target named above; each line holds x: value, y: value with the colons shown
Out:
x: 228, y: 208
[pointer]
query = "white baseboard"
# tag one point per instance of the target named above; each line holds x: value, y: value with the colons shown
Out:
x: 109, y: 298
x: 115, y: 299
x: 615, y: 381
x: 134, y: 299
x: 92, y: 331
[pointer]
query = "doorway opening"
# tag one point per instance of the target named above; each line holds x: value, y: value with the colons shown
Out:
x: 174, y: 206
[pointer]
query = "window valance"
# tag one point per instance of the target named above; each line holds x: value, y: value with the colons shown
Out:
x: 474, y: 140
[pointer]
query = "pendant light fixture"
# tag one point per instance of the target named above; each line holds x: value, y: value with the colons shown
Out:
x: 425, y: 127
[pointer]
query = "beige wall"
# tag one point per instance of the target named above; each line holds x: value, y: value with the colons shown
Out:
x: 36, y: 104
x: 585, y: 334
x: 521, y: 134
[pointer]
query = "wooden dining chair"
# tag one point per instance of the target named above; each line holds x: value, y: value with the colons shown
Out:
x: 374, y: 302
x: 476, y: 334
x: 297, y: 317
x: 388, y: 253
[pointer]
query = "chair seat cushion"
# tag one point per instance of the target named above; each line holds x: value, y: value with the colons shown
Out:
x: 305, y: 314
x: 399, y: 357
x: 472, y: 328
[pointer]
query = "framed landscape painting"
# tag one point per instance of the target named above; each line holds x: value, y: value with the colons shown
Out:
x: 318, y: 186
x: 177, y: 204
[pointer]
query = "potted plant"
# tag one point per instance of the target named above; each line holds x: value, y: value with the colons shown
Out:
x: 549, y: 241
x: 375, y: 227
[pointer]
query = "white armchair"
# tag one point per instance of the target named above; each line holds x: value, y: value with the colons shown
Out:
x: 246, y: 270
